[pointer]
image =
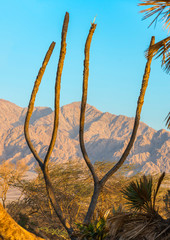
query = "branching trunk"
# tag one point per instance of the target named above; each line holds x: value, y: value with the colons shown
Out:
x: 99, y: 185
x: 44, y: 164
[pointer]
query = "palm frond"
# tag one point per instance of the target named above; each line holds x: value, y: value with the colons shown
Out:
x: 160, y: 8
x: 168, y: 120
x: 161, y: 49
x: 139, y: 194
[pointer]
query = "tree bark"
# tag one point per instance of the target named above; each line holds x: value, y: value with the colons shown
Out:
x: 10, y: 230
x: 84, y: 101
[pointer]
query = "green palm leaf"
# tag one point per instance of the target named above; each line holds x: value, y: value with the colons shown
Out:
x: 138, y: 194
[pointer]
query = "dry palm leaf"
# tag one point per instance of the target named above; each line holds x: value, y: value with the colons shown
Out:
x: 162, y: 49
x: 138, y: 226
x: 159, y: 7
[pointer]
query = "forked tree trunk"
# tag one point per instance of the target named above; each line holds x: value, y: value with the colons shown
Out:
x: 10, y: 230
x: 98, y: 185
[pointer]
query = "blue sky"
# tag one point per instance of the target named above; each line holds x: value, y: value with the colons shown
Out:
x: 117, y: 59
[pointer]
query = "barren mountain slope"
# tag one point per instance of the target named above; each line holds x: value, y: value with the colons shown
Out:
x: 106, y: 136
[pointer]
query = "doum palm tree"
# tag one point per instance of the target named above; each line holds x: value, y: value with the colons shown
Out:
x: 98, y: 183
x: 160, y: 9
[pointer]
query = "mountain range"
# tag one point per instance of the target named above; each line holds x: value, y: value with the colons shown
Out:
x: 106, y: 137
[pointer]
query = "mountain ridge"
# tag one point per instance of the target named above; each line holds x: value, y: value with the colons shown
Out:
x: 106, y: 137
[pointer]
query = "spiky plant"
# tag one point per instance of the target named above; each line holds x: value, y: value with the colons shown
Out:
x: 141, y: 195
x: 138, y: 194
x: 96, y: 230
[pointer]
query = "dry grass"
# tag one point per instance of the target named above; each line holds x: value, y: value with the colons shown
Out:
x: 138, y: 226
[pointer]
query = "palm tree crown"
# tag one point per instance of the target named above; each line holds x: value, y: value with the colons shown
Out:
x: 160, y: 8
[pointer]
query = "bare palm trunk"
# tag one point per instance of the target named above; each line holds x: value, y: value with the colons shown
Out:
x: 4, y: 202
x: 98, y: 185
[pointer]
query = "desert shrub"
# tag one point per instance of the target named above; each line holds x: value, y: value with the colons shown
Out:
x: 143, y: 221
x: 73, y: 189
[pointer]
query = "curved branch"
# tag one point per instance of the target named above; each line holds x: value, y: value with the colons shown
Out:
x: 48, y: 182
x: 84, y: 101
x: 44, y: 165
x: 137, y: 118
x: 57, y: 88
x: 32, y: 101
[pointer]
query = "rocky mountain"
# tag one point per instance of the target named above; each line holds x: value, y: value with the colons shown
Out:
x: 106, y: 136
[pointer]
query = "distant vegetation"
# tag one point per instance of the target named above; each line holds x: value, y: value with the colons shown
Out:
x: 10, y: 174
x: 73, y: 189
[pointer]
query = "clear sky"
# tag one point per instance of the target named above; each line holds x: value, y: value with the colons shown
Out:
x: 117, y: 59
